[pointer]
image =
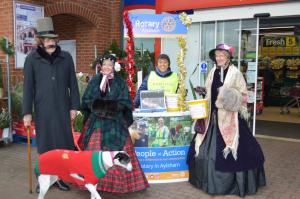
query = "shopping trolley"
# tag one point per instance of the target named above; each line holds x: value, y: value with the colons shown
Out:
x: 294, y: 92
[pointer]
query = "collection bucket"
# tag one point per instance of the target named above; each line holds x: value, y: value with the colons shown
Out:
x: 198, y: 108
x: 172, y: 102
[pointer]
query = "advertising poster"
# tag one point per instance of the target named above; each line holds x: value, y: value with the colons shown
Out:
x: 25, y: 18
x: 161, y: 143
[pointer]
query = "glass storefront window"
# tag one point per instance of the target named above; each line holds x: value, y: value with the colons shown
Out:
x: 248, y: 65
x: 208, y: 41
x: 228, y: 33
x: 144, y: 43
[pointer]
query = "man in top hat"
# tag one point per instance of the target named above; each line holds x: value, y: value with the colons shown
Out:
x: 50, y: 88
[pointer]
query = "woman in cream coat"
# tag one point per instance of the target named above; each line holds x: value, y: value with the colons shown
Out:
x: 226, y: 158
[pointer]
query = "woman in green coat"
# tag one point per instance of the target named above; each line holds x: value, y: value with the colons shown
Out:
x: 107, y: 109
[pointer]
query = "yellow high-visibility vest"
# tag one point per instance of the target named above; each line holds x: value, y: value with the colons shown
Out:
x: 168, y: 84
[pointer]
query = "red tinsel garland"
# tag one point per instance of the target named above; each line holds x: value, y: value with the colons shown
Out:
x: 130, y: 56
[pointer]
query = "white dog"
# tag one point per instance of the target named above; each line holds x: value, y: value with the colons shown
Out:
x: 83, y: 168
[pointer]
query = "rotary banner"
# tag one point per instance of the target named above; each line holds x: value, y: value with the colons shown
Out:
x: 156, y: 26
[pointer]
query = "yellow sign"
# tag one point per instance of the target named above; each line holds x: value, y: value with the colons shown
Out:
x: 272, y: 51
x: 296, y: 51
x: 290, y: 41
x: 265, y: 51
x: 279, y: 50
x: 288, y: 50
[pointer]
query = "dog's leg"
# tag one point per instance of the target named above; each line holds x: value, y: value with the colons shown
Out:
x: 93, y: 190
x: 53, y: 179
x: 77, y: 176
x: 45, y: 181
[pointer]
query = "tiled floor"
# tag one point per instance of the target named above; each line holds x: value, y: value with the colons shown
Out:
x: 273, y: 114
x: 281, y: 166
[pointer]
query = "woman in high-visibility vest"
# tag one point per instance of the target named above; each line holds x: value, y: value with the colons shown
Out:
x: 161, y: 79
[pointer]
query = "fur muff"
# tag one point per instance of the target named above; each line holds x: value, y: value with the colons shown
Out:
x: 229, y: 99
x: 105, y: 108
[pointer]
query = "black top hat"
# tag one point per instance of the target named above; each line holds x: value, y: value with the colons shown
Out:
x: 45, y: 28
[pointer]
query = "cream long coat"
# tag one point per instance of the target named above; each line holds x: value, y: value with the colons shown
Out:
x: 227, y: 120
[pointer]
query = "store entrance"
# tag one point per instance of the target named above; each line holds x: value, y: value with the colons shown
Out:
x: 278, y: 112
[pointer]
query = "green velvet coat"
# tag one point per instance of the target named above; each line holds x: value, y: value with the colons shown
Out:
x: 114, y: 129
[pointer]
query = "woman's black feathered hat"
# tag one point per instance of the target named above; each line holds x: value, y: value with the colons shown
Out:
x: 106, y: 57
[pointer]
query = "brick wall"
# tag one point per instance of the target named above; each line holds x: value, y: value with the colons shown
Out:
x: 90, y: 23
x: 6, y: 30
x: 69, y: 27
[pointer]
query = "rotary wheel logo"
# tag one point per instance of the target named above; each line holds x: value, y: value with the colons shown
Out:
x: 168, y: 24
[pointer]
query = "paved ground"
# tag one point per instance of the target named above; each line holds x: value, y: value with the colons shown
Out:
x: 271, y: 128
x: 282, y: 172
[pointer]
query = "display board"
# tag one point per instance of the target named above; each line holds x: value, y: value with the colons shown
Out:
x: 161, y: 142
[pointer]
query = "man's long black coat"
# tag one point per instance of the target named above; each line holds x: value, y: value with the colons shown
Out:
x: 53, y: 90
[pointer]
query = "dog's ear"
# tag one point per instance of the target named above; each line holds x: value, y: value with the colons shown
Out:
x: 123, y: 157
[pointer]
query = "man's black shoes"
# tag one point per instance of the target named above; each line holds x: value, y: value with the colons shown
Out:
x: 62, y: 185
x: 37, y: 188
x: 59, y: 184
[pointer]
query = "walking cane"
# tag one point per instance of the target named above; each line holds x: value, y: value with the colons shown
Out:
x: 29, y: 160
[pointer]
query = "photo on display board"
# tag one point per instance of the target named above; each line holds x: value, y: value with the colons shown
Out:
x: 139, y: 133
x: 161, y: 131
x: 153, y: 100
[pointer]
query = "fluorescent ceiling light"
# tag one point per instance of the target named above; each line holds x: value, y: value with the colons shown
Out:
x: 277, y: 33
x: 281, y: 27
